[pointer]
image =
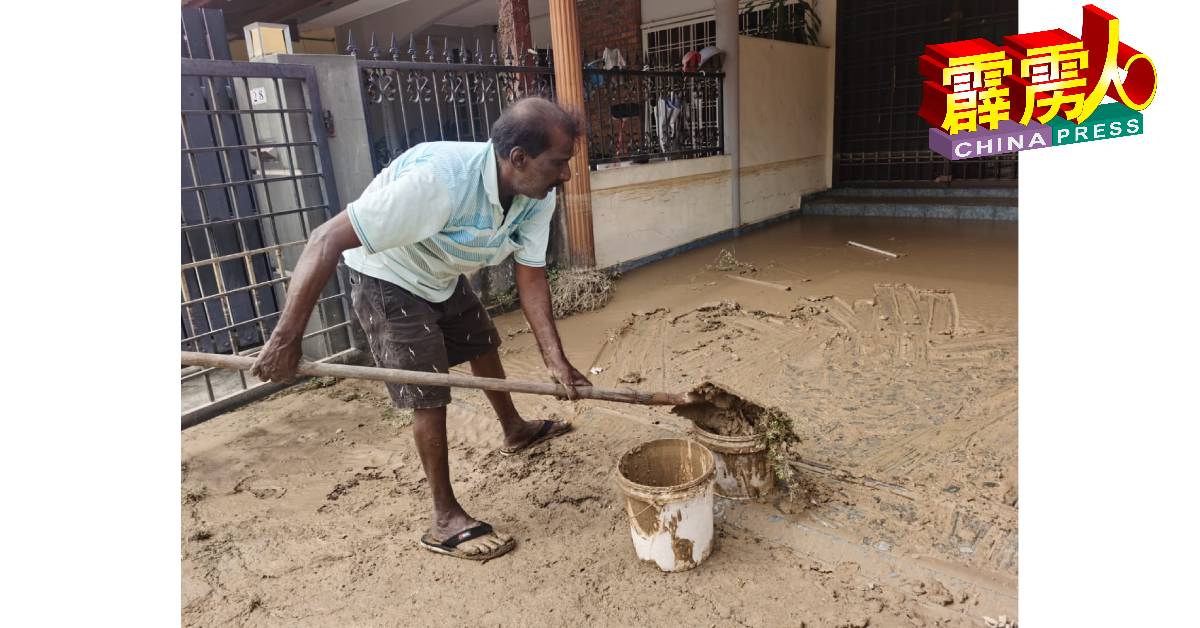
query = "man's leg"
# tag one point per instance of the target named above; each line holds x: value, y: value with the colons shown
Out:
x: 517, y: 431
x: 470, y: 336
x: 449, y: 518
x: 399, y: 328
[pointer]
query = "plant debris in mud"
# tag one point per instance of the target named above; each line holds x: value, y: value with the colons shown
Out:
x: 192, y: 495
x: 710, y: 316
x: 578, y: 290
x: 397, y: 417
x: 200, y: 535
x: 726, y: 414
x: 505, y: 300
x: 313, y: 383
x: 726, y: 262
x: 632, y: 377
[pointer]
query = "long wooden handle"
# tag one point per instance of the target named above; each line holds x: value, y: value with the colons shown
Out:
x: 397, y: 376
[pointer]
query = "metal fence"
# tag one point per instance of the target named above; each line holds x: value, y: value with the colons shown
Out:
x: 452, y: 94
x: 644, y: 115
x: 255, y: 183
x: 456, y: 94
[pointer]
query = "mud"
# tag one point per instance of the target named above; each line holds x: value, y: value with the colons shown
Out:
x: 724, y: 413
x: 907, y: 454
x: 663, y: 465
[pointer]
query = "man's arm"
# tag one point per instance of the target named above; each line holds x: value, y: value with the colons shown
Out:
x: 278, y: 359
x: 535, y: 303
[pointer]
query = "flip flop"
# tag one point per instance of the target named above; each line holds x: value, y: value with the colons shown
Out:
x: 545, y: 432
x: 449, y: 547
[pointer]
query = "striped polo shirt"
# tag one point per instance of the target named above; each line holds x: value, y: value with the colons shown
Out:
x: 434, y: 213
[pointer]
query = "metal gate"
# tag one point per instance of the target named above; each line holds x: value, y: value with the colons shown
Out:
x: 255, y: 182
x: 878, y: 137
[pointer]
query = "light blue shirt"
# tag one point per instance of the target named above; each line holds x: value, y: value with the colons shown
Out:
x: 434, y: 213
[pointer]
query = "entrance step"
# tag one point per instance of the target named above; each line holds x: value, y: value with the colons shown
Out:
x: 954, y: 203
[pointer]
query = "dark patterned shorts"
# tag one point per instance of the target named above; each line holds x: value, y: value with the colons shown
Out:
x: 410, y: 333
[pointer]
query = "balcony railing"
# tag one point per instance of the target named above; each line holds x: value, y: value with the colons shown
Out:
x: 456, y: 93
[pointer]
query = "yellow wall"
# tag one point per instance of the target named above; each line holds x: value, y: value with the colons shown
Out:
x: 643, y: 209
x: 785, y: 120
x: 237, y: 47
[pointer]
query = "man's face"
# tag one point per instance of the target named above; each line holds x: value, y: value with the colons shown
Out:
x: 536, y: 176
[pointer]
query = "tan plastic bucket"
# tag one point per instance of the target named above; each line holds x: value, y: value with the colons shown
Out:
x: 743, y: 470
x: 668, y: 486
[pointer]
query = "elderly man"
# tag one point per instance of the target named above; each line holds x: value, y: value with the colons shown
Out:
x: 440, y: 210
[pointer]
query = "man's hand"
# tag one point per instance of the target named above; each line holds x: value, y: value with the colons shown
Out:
x: 568, y: 376
x: 277, y: 361
x: 535, y: 302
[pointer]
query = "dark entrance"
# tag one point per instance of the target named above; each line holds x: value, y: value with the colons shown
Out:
x: 878, y: 138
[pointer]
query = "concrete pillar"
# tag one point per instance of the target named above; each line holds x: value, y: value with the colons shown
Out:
x: 341, y: 95
x: 568, y: 78
x: 827, y: 37
x: 727, y: 40
x: 512, y: 33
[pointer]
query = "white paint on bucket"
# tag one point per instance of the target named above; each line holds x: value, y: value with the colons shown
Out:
x: 695, y: 524
x: 668, y: 486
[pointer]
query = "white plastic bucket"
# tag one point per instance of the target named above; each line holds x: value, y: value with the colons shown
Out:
x: 743, y: 468
x: 668, y: 487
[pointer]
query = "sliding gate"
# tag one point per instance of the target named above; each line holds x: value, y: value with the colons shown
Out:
x: 255, y: 182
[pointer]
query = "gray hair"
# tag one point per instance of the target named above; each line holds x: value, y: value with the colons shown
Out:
x: 528, y: 123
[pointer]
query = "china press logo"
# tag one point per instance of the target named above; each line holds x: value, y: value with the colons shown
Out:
x: 1037, y: 90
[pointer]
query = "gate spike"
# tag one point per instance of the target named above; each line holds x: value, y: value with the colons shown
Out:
x: 495, y: 60
x: 351, y: 47
x: 374, y: 47
x: 412, y: 47
x: 478, y: 52
x: 394, y: 48
x: 446, y: 49
x: 508, y: 56
x: 462, y: 51
x: 429, y: 47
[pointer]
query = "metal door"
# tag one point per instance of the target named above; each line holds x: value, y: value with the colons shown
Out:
x: 878, y: 137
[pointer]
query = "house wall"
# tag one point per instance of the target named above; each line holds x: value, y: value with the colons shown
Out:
x: 655, y: 11
x: 610, y: 24
x: 645, y: 209
x: 784, y: 123
x: 665, y: 10
x: 539, y: 30
x: 319, y: 42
